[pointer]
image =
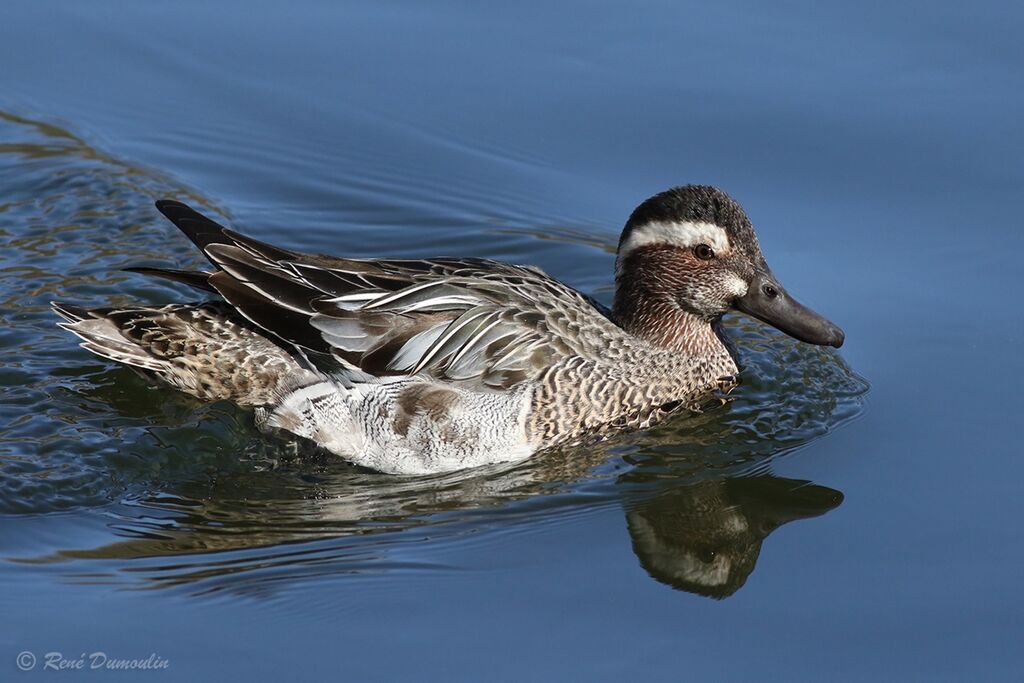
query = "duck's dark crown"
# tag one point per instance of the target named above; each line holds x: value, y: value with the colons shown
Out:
x: 693, y: 203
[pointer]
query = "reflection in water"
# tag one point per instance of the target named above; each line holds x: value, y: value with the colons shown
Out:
x: 248, y: 531
x: 705, y: 537
x: 702, y: 536
x: 179, y: 494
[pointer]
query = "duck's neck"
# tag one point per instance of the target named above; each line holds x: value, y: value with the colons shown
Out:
x: 665, y: 325
x: 646, y: 306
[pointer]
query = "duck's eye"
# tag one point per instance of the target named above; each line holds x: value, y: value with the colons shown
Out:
x: 704, y: 252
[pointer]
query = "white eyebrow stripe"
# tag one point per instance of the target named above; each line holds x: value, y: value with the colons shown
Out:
x: 683, y: 234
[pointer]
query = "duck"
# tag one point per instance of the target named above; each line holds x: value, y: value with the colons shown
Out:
x: 424, y: 366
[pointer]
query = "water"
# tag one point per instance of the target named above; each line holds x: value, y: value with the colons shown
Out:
x: 851, y: 513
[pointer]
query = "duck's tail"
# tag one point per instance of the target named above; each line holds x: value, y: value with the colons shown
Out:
x: 101, y: 335
x: 204, y: 349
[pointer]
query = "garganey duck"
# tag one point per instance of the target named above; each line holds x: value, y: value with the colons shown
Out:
x: 421, y: 366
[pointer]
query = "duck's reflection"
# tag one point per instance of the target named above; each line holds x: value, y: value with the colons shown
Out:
x: 705, y: 537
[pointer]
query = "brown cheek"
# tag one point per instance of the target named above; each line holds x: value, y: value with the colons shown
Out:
x: 694, y: 276
x: 667, y: 270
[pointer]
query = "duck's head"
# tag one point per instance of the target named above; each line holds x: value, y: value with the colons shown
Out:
x: 692, y: 251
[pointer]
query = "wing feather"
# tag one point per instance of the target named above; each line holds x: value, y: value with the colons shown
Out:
x: 470, y: 320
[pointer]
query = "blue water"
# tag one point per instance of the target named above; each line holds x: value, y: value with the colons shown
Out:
x: 864, y: 503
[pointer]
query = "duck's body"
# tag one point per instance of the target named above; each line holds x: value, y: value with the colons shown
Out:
x: 435, y: 365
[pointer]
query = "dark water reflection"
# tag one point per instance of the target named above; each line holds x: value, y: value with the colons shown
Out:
x: 705, y: 537
x: 701, y: 536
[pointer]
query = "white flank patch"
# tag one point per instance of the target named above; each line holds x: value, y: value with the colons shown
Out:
x: 685, y: 235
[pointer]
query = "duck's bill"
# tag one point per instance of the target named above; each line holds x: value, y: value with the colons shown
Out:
x: 767, y: 301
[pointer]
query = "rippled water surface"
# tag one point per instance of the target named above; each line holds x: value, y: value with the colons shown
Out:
x: 847, y: 515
